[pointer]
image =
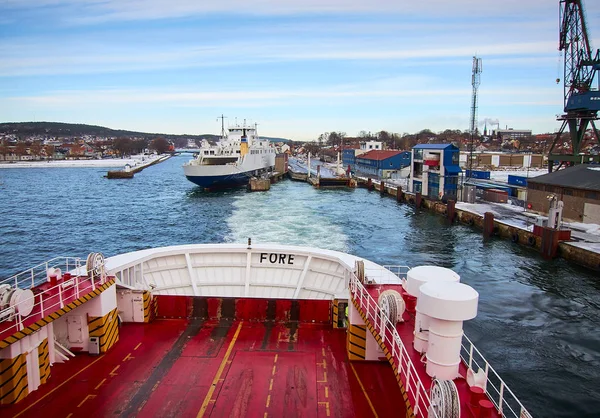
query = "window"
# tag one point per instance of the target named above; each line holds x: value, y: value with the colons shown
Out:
x: 568, y: 192
x: 418, y: 154
x: 455, y: 158
x: 591, y: 195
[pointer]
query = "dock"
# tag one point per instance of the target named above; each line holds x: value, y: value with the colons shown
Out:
x: 129, y: 171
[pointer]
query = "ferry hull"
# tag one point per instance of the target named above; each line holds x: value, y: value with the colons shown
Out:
x: 221, y: 182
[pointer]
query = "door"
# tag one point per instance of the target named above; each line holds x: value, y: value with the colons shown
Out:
x: 138, y: 308
x: 74, y: 329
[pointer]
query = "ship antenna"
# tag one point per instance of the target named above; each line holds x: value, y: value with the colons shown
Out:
x: 222, y: 125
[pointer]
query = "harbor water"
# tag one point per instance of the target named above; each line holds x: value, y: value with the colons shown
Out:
x: 538, y: 320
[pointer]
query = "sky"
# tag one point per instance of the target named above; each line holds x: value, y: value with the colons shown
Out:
x: 297, y: 68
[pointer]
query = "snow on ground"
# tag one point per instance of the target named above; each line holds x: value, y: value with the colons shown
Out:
x: 134, y: 161
x: 502, y: 175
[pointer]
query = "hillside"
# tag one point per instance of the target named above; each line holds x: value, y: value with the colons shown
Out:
x: 59, y: 129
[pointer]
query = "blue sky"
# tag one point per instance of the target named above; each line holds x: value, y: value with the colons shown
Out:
x: 297, y: 68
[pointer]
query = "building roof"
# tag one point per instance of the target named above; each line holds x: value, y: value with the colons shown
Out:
x: 582, y: 176
x: 378, y: 155
x: 433, y: 146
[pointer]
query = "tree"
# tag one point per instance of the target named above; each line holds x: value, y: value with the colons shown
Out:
x: 336, y: 138
x: 323, y: 139
x: 49, y: 151
x: 122, y: 146
x: 160, y: 145
x: 21, y: 149
x: 4, y: 150
x: 36, y: 149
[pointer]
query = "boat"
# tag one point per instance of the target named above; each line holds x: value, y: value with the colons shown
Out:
x: 239, y: 155
x: 263, y: 330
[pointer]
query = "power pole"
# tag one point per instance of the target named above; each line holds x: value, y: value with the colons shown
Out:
x: 475, y: 81
x: 222, y: 125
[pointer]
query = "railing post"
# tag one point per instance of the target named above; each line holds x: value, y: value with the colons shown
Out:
x: 408, y: 380
x: 42, y: 304
x: 383, y: 327
x: 60, y: 296
x: 32, y: 278
x: 416, y: 408
x: 471, y: 355
x: 501, y: 397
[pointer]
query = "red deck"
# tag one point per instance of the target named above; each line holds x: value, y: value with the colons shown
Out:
x: 193, y: 367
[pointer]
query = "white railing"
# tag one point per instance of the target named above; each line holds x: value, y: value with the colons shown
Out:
x: 400, y: 271
x: 39, y: 274
x: 49, y: 300
x: 499, y: 393
x: 415, y: 389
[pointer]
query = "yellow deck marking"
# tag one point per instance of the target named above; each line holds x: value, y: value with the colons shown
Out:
x: 128, y: 357
x: 276, y: 355
x: 324, y: 378
x: 100, y: 384
x: 70, y: 415
x: 58, y: 387
x: 323, y: 351
x: 324, y: 364
x: 273, y: 372
x: 327, y: 391
x: 212, y: 388
x: 326, y: 407
x: 266, y: 415
x: 114, y: 371
x: 271, y: 385
x: 85, y: 399
x: 268, y: 400
x: 137, y: 346
x: 364, y: 391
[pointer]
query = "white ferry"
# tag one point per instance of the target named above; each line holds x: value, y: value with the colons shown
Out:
x: 237, y: 157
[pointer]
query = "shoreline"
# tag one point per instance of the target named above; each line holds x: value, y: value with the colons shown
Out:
x: 104, y: 163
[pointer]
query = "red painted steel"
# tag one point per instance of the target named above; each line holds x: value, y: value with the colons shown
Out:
x: 307, y: 363
x: 174, y: 306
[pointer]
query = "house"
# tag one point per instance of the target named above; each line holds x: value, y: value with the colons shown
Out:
x: 382, y: 164
x: 434, y: 170
x: 578, y: 187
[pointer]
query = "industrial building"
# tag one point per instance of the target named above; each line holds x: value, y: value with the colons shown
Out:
x: 578, y: 187
x: 434, y: 170
x: 382, y: 164
x: 502, y: 159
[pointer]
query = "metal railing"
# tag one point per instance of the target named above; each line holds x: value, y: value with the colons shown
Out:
x: 70, y: 287
x: 415, y: 389
x: 36, y: 275
x: 498, y: 392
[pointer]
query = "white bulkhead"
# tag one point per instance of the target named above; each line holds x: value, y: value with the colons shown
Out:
x: 415, y: 278
x: 447, y: 305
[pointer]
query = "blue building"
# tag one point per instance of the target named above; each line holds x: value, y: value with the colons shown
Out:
x: 434, y: 171
x: 382, y: 164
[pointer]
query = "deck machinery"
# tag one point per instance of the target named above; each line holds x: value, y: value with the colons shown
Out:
x: 581, y: 84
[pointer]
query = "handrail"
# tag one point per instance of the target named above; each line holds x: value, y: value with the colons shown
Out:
x: 52, y: 299
x: 389, y: 336
x: 497, y: 390
x: 38, y: 274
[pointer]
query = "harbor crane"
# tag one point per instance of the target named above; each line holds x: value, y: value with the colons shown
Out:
x: 581, y: 84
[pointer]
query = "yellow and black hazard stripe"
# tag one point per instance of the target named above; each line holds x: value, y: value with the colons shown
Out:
x: 13, y: 379
x: 44, y: 361
x: 409, y: 409
x: 357, y: 342
x: 106, y: 328
x: 335, y: 313
x: 54, y: 316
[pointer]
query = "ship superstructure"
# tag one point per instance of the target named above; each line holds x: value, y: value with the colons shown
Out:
x: 239, y: 155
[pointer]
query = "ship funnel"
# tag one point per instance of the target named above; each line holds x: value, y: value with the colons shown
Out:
x: 244, y: 143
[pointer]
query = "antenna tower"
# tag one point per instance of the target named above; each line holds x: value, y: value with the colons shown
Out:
x: 475, y: 81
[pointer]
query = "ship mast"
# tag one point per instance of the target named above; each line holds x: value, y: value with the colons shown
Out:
x: 222, y: 125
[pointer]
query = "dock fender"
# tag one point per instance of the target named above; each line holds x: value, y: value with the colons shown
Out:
x: 531, y: 240
x: 495, y: 230
x: 470, y: 222
x: 515, y: 237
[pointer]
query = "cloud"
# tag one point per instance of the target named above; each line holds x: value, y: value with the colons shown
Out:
x: 93, y: 11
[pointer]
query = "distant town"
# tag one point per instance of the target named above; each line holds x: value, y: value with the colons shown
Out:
x: 31, y: 141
